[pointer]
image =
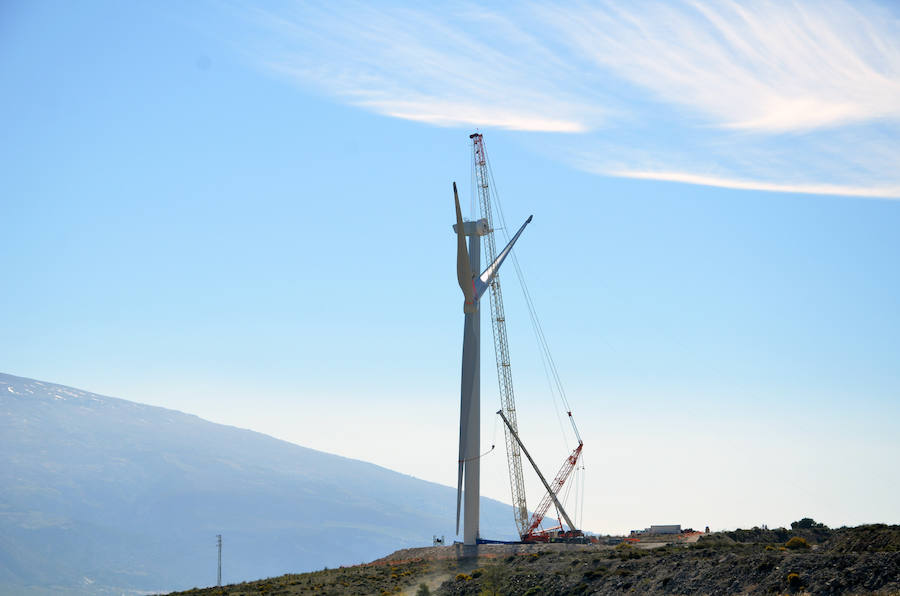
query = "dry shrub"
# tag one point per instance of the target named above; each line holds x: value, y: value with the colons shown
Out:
x: 796, y: 543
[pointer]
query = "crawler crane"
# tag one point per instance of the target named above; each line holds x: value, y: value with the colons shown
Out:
x: 529, y: 529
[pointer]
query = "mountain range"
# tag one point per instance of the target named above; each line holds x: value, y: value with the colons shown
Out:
x: 102, y: 495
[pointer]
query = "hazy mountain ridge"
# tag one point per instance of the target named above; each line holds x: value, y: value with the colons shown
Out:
x: 99, y: 489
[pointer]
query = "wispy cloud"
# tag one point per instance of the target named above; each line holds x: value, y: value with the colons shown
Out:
x: 773, y: 96
x: 769, y: 67
x: 817, y: 189
x: 431, y: 68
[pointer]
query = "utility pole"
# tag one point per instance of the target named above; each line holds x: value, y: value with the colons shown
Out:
x: 219, y: 574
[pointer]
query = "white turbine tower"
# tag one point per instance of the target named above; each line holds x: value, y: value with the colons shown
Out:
x: 473, y: 287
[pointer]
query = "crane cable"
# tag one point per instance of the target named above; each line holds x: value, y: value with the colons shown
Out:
x: 550, y: 369
x: 477, y: 456
x: 493, y: 445
x: 578, y: 493
x: 549, y: 365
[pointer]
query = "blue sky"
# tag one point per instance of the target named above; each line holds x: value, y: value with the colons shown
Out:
x: 244, y: 213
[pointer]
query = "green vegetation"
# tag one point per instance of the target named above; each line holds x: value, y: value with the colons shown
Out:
x: 492, y: 580
x: 807, y: 523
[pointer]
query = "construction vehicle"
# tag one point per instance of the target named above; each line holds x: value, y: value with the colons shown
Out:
x: 533, y: 534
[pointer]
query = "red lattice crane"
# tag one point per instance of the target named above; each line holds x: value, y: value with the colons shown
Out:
x: 533, y: 534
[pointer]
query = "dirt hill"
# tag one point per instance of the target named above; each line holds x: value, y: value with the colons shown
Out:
x: 862, y: 560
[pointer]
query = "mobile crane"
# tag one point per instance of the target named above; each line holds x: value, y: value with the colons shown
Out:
x: 529, y: 528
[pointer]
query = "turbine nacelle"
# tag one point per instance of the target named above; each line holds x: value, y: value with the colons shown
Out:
x: 473, y: 288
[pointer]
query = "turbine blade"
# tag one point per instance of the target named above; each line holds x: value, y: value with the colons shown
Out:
x: 464, y: 407
x: 484, y: 280
x: 459, y: 495
x: 463, y: 268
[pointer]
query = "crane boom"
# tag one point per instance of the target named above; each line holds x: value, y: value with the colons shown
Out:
x: 552, y: 491
x: 501, y: 344
x: 558, y: 482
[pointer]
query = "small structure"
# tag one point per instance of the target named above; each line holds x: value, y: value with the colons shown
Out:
x: 658, y: 530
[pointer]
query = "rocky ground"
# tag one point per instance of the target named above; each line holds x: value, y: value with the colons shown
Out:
x: 814, y: 560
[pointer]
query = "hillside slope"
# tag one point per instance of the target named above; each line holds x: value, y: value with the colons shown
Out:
x: 848, y: 561
x: 99, y: 494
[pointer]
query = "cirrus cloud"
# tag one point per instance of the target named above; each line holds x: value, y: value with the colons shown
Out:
x: 783, y: 97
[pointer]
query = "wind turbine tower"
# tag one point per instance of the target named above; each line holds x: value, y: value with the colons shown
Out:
x: 473, y: 286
